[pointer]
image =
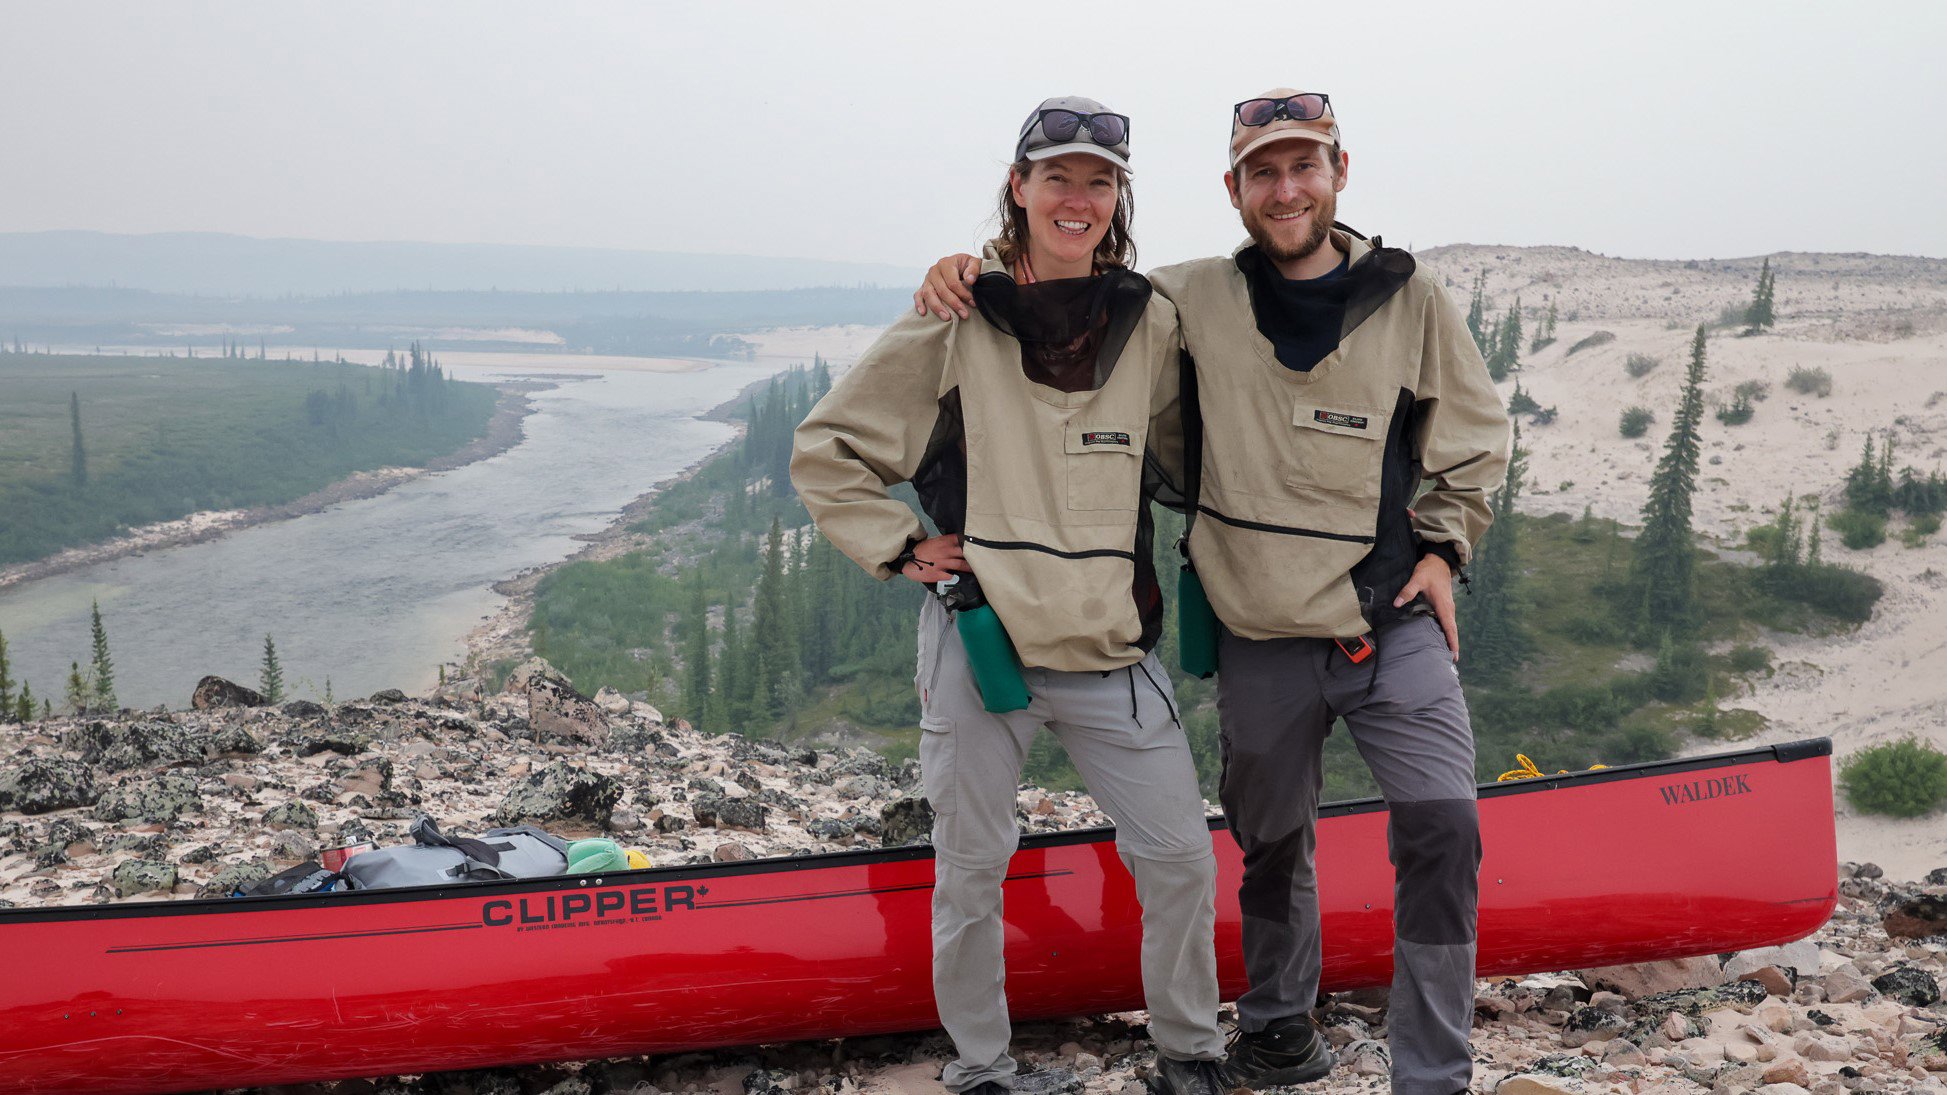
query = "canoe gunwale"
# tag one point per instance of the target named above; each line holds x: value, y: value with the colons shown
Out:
x: 852, y: 857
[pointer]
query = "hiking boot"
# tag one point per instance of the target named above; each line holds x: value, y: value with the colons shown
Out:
x: 1289, y: 1051
x: 1169, y: 1076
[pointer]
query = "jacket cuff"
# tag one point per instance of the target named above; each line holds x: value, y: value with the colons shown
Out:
x: 1445, y: 550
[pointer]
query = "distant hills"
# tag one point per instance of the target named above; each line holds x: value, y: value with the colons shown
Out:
x: 211, y: 263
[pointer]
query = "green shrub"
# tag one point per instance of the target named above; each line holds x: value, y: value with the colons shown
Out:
x: 1857, y: 530
x: 1905, y: 778
x: 1640, y: 364
x: 1597, y: 339
x: 1919, y: 529
x: 1750, y: 659
x: 1809, y: 381
x: 1738, y: 413
x: 1642, y: 741
x: 1752, y: 391
x: 1636, y: 421
x: 1834, y: 590
x: 1680, y: 675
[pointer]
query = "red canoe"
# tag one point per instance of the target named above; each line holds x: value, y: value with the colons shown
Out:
x: 1626, y: 864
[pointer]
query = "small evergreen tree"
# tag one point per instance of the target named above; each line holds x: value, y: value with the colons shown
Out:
x: 1492, y: 631
x: 78, y: 461
x: 79, y: 691
x: 1760, y: 314
x: 696, y: 661
x: 101, y: 667
x: 24, y: 704
x: 271, y: 679
x: 1477, y: 313
x: 1664, y: 566
x: 6, y: 680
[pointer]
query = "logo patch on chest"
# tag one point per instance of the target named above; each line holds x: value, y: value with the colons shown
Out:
x: 1106, y: 437
x: 1340, y: 419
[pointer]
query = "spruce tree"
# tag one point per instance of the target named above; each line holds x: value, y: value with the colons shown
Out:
x: 1477, y: 313
x: 1492, y: 629
x: 6, y: 681
x: 696, y: 661
x: 101, y: 667
x: 271, y: 679
x: 1759, y: 314
x: 78, y: 463
x: 774, y: 634
x: 79, y: 691
x: 24, y: 704
x: 1664, y: 567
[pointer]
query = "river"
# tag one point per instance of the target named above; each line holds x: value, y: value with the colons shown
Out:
x: 377, y: 593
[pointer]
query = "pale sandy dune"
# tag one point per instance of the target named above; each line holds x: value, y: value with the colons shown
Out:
x: 1846, y: 314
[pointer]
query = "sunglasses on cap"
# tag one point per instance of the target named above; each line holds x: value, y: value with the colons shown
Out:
x: 1297, y: 108
x: 1059, y: 124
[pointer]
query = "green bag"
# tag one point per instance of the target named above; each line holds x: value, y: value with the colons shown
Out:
x: 1196, y: 625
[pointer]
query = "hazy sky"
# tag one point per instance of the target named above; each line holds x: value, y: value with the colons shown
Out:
x: 880, y: 131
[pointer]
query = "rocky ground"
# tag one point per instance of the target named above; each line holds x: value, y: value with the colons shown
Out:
x: 149, y: 805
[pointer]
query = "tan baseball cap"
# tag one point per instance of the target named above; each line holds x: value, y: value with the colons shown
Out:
x: 1246, y: 139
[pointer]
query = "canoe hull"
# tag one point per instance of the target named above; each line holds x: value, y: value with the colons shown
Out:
x: 1634, y: 864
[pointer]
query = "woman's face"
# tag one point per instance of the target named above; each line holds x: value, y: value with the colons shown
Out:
x: 1069, y: 200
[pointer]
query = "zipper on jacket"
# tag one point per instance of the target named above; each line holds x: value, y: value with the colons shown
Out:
x: 1027, y: 545
x: 1283, y: 530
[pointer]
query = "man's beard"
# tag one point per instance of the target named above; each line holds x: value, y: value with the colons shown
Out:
x: 1321, y: 229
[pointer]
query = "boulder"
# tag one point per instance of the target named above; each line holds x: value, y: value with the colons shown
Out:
x: 303, y: 709
x: 1591, y: 1024
x: 214, y: 691
x: 162, y: 799
x: 134, y: 876
x: 1802, y: 958
x: 236, y: 876
x: 906, y: 821
x: 235, y: 740
x: 1909, y: 985
x: 387, y: 696
x: 555, y: 711
x: 1846, y: 984
x: 1915, y: 916
x: 47, y: 783
x: 724, y: 812
x: 1650, y: 978
x: 116, y: 746
x: 291, y: 815
x: 562, y: 793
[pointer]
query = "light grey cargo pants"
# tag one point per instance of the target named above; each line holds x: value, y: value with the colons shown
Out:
x: 1276, y: 700
x: 1121, y: 732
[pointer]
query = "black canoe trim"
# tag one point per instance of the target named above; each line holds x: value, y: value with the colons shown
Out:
x: 1029, y: 545
x: 1784, y: 753
x: 1282, y: 530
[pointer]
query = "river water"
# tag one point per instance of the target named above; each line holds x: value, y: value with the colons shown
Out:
x: 377, y: 593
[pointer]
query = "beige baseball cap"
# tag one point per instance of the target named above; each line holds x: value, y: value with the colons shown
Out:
x: 1246, y: 139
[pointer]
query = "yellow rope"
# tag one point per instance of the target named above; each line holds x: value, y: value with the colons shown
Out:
x: 1529, y: 771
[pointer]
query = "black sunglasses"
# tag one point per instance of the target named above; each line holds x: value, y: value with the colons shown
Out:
x: 1297, y: 108
x: 1060, y: 124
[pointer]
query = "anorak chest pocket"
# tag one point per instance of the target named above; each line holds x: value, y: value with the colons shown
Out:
x: 1104, y: 466
x: 1340, y: 448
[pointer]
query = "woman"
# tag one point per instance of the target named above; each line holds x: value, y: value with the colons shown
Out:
x: 1026, y: 430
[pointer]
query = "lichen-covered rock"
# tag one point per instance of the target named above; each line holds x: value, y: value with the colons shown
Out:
x: 47, y: 783
x: 163, y: 799
x: 562, y: 793
x: 236, y: 876
x: 291, y: 815
x: 235, y: 741
x: 116, y: 746
x: 721, y: 812
x: 214, y: 691
x: 555, y: 711
x: 1910, y: 986
x: 386, y: 696
x: 906, y: 821
x: 134, y: 876
x: 292, y: 846
x: 1591, y: 1024
x: 1915, y: 916
x: 303, y: 709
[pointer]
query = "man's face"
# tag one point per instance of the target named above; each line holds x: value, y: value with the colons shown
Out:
x: 1287, y: 193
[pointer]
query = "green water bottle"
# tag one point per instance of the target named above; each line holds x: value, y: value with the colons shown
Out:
x: 1196, y: 625
x: 996, y: 667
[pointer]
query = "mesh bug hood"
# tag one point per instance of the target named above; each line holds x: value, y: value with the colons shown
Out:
x: 1071, y: 330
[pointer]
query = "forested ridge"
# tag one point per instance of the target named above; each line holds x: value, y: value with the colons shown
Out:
x: 91, y: 446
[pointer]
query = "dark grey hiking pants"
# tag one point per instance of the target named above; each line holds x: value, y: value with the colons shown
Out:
x: 1121, y: 731
x: 1276, y: 701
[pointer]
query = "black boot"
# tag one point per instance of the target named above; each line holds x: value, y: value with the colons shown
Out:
x: 1289, y: 1051
x: 1169, y: 1076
